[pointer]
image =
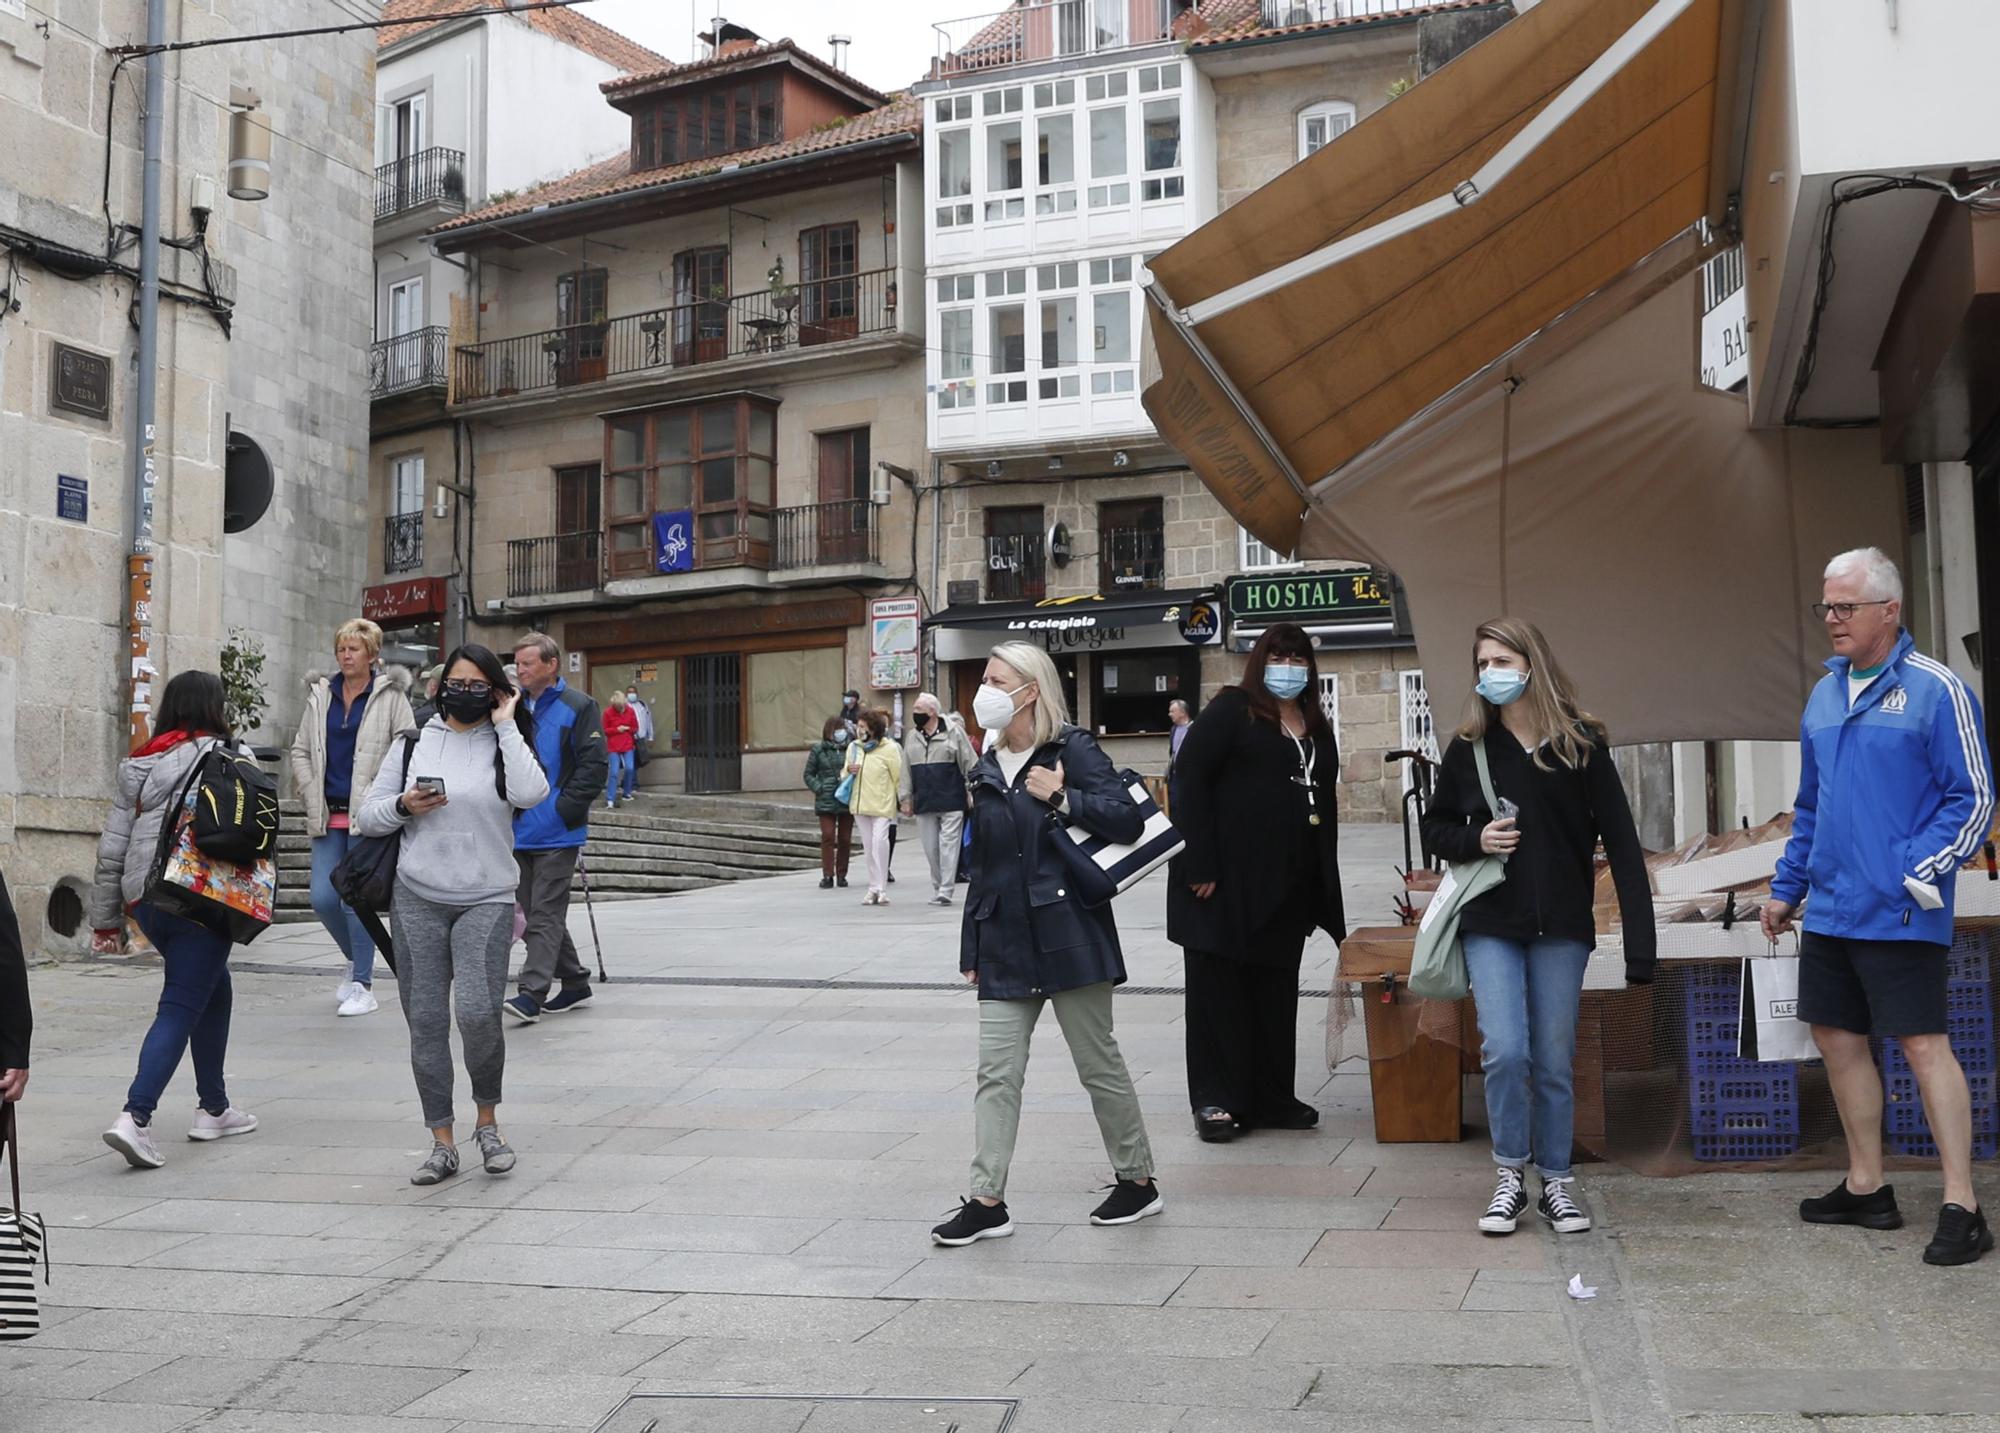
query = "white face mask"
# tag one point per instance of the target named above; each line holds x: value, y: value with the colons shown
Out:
x: 994, y: 708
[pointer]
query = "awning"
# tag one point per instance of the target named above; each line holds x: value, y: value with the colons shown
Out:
x: 1475, y: 209
x: 1115, y: 620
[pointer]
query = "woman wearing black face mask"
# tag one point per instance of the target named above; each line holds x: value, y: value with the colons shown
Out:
x: 1256, y: 803
x: 937, y: 759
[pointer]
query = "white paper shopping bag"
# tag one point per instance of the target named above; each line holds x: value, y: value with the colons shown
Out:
x: 1768, y: 1026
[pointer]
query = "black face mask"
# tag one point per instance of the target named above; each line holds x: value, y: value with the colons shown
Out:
x: 923, y: 721
x: 467, y: 707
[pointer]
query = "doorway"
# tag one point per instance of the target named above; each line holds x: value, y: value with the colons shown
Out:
x: 715, y: 722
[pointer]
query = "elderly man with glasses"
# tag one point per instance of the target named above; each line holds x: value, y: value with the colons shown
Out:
x: 1895, y: 794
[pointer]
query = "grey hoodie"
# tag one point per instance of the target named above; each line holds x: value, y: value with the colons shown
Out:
x: 461, y: 854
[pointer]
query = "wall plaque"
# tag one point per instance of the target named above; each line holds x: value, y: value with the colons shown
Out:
x: 80, y: 382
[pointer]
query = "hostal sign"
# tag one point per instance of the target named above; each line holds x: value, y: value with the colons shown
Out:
x: 1310, y: 597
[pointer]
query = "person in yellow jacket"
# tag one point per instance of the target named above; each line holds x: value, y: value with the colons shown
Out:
x: 877, y: 767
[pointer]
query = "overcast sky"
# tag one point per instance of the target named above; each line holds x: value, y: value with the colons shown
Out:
x: 893, y: 39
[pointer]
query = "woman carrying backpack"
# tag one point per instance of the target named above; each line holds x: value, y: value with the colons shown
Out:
x: 454, y: 798
x: 196, y: 998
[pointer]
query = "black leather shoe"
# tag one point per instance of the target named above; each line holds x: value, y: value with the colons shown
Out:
x: 1962, y: 1236
x: 1841, y: 1206
x: 826, y: 883
x: 1298, y: 1115
x: 1213, y: 1124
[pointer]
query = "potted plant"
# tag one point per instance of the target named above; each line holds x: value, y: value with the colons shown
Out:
x: 453, y: 184
x: 784, y: 298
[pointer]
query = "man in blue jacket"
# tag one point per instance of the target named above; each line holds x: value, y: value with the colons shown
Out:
x: 1895, y: 794
x: 569, y: 739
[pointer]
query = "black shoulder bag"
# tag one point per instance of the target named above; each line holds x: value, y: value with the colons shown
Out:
x: 366, y: 875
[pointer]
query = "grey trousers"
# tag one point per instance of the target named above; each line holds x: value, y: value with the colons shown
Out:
x: 1004, y: 1030
x: 940, y: 834
x: 436, y: 945
x: 544, y: 895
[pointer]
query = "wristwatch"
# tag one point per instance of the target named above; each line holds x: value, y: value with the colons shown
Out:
x: 402, y: 810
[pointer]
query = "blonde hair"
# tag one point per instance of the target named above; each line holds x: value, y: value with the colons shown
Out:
x: 1550, y: 697
x: 360, y: 629
x: 1051, y: 710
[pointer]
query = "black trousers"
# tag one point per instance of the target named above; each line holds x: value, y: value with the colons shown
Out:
x: 1242, y: 1033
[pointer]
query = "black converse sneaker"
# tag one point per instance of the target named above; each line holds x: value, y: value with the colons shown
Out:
x: 1510, y: 1197
x: 1560, y: 1208
x: 973, y: 1222
x: 1129, y: 1202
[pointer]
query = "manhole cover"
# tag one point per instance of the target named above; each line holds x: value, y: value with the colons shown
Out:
x: 806, y: 1413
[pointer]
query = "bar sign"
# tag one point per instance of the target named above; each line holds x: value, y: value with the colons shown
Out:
x: 72, y: 498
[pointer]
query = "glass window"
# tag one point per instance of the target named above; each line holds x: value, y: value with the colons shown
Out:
x: 628, y: 442
x: 1163, y: 134
x: 1016, y: 569
x: 1055, y: 276
x: 1256, y: 556
x: 1055, y: 149
x: 954, y: 163
x: 1107, y: 142
x: 786, y: 692
x: 955, y: 343
x: 1129, y: 691
x: 1059, y: 332
x: 1006, y: 281
x: 1111, y: 317
x: 956, y: 288
x: 951, y: 107
x: 658, y: 687
x: 1321, y: 124
x: 717, y: 458
x: 1131, y: 545
x: 1008, y: 349
x: 1111, y: 271
x: 1102, y: 87
x: 1055, y: 92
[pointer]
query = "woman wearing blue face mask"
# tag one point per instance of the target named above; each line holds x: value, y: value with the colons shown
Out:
x: 1528, y: 940
x: 1256, y: 804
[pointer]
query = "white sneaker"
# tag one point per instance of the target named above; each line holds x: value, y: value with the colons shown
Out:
x: 230, y: 1121
x: 345, y: 991
x: 361, y: 1002
x: 134, y: 1141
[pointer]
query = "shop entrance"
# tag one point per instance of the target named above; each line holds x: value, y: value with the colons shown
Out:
x: 715, y: 722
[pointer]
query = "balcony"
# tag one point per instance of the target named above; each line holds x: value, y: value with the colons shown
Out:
x: 1049, y: 30
x: 1312, y: 12
x: 543, y: 566
x: 430, y: 179
x: 824, y: 535
x: 1016, y: 567
x: 820, y: 314
x: 408, y: 362
x: 403, y: 542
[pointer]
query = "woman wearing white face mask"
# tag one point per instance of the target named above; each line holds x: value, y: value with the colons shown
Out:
x: 1256, y: 778
x: 1027, y: 941
x: 1528, y: 940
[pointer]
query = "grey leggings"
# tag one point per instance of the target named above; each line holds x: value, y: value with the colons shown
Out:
x: 434, y: 945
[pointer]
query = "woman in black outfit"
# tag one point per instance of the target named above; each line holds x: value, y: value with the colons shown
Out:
x: 1256, y: 805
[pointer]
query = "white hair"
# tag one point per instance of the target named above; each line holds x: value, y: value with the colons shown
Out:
x: 926, y: 700
x: 1874, y: 567
x: 1032, y: 662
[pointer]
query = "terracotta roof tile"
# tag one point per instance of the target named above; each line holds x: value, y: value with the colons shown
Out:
x: 1249, y: 22
x: 739, y: 59
x: 570, y: 26
x: 901, y: 116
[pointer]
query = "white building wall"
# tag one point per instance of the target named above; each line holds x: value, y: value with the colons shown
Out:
x: 545, y: 114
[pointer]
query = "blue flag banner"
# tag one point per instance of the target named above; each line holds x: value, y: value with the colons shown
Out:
x: 673, y: 541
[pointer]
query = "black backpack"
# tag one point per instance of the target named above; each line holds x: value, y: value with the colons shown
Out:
x: 235, y: 807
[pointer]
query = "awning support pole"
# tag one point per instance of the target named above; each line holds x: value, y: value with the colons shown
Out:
x: 1552, y: 116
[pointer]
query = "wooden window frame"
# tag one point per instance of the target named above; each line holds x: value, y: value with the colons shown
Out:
x: 749, y: 543
x: 1032, y: 583
x: 830, y: 301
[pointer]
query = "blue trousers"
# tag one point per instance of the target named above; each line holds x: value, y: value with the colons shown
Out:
x: 193, y: 1014
x: 339, y: 919
x: 1528, y: 993
x: 624, y: 775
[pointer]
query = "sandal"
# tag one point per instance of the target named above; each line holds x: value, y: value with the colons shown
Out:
x: 1214, y: 1124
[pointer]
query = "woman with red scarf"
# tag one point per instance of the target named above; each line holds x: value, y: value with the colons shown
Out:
x: 195, y: 1002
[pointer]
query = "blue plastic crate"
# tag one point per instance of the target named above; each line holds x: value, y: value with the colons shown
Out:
x: 1745, y: 1118
x: 1713, y: 992
x: 1971, y: 1033
x: 1920, y: 1146
x: 1968, y: 997
x: 1712, y: 1038
x: 1734, y: 1145
x: 1969, y: 958
x: 1903, y: 1105
x: 1768, y: 1084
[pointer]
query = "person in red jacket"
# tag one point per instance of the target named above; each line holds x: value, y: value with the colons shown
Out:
x: 621, y: 740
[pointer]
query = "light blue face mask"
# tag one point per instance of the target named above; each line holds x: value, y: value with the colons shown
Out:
x: 1501, y: 685
x: 1285, y: 682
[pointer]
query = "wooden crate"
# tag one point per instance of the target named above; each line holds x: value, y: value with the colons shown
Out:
x: 1414, y: 1077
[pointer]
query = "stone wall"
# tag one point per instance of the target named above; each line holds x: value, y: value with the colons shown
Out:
x: 1256, y: 115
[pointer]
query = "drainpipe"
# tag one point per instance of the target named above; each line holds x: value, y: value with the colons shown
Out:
x: 139, y: 565
x: 937, y: 553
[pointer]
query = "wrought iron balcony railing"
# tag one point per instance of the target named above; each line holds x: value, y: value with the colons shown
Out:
x: 403, y: 542
x: 1016, y: 568
x: 408, y: 361
x: 821, y: 534
x: 565, y: 562
x: 1131, y: 557
x: 1051, y: 29
x: 1310, y: 12
x: 806, y: 315
x: 430, y: 176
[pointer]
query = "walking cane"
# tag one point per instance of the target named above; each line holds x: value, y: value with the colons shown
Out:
x: 591, y: 910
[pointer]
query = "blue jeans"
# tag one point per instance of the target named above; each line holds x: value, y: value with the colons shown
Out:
x: 1528, y: 993
x: 194, y: 1012
x: 621, y: 785
x: 339, y: 919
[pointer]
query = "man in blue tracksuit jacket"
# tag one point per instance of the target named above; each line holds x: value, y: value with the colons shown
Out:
x: 1895, y: 794
x: 569, y: 739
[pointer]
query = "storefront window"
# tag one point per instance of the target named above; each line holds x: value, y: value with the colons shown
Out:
x: 1129, y: 691
x: 791, y: 694
x: 658, y: 685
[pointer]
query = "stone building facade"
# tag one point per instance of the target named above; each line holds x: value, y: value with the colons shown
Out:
x: 262, y: 332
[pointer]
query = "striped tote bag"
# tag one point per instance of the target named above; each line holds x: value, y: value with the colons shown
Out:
x: 23, y: 1243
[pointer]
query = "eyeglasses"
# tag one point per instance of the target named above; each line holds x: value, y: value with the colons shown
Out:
x: 469, y: 689
x: 1844, y: 611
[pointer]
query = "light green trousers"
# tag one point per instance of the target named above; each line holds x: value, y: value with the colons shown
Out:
x: 1005, y: 1027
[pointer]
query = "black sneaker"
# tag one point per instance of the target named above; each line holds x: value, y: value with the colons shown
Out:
x: 524, y: 1008
x: 1129, y: 1203
x: 1962, y: 1236
x: 567, y: 999
x: 973, y: 1222
x: 1840, y: 1206
x: 1558, y: 1205
x: 1510, y: 1197
x: 840, y: 881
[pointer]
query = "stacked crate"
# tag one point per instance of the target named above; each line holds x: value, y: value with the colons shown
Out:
x: 1740, y: 1109
x: 1969, y: 1023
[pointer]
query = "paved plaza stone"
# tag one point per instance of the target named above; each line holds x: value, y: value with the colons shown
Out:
x: 728, y: 1166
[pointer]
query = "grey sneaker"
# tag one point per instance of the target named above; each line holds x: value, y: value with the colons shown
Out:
x: 442, y: 1165
x: 493, y: 1151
